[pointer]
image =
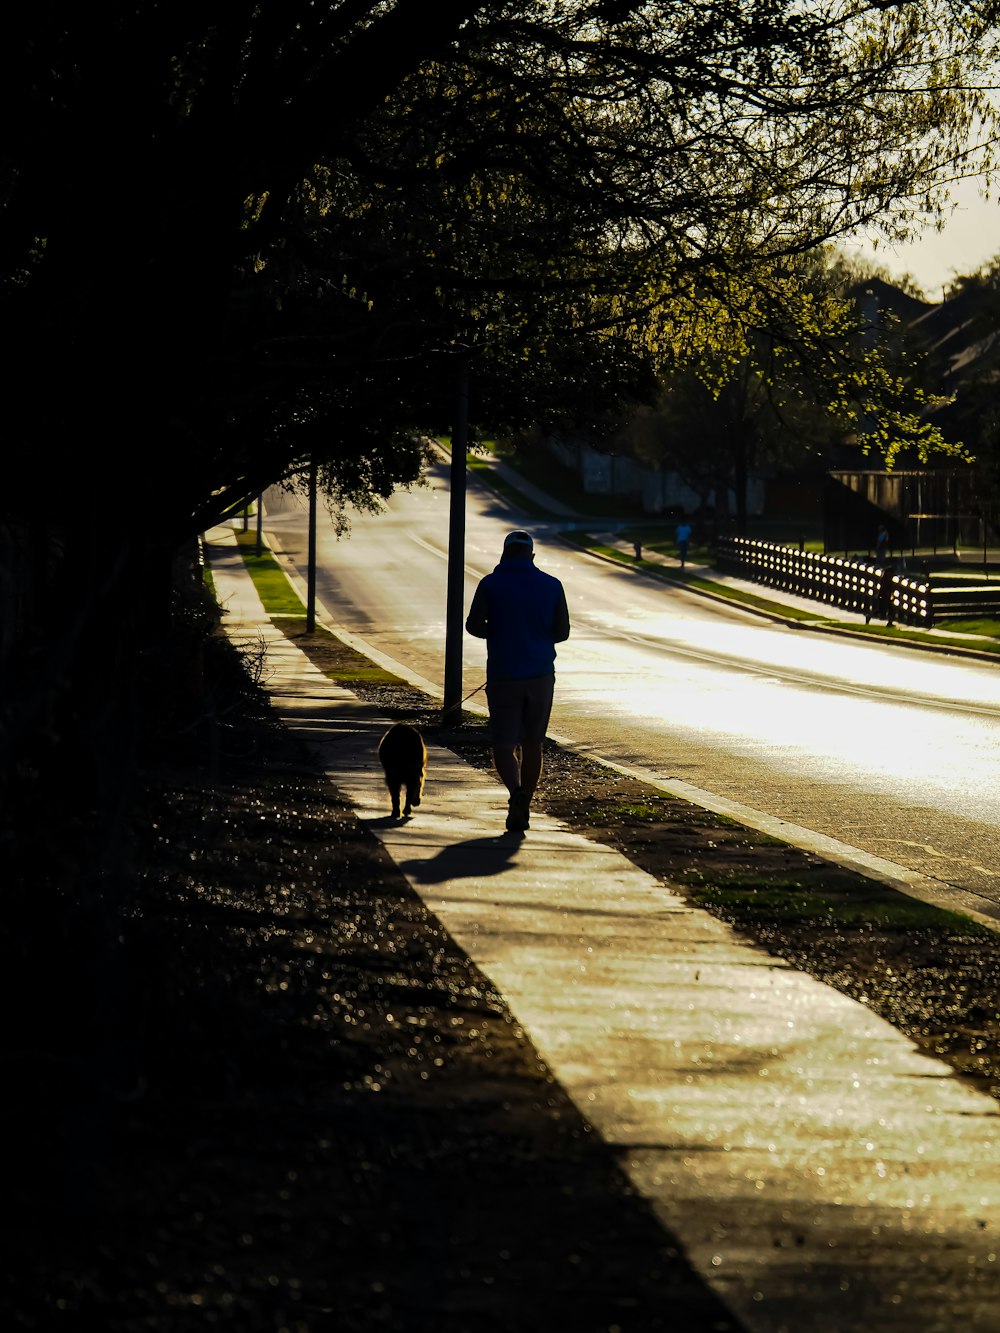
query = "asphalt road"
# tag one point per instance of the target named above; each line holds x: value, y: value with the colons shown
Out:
x: 879, y: 747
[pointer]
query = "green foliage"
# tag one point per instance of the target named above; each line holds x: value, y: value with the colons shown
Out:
x: 772, y: 371
x: 331, y: 207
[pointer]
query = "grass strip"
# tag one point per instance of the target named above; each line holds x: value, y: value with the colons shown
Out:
x: 351, y: 669
x: 489, y: 475
x: 857, y: 904
x: 901, y: 634
x: 546, y: 472
x: 288, y: 612
x: 984, y: 628
x: 270, y: 580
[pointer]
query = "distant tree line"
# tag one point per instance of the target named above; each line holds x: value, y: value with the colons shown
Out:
x: 828, y: 378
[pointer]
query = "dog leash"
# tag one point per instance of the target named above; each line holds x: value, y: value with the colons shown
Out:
x: 450, y: 712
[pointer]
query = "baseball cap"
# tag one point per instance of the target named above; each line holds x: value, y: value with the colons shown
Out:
x: 518, y: 539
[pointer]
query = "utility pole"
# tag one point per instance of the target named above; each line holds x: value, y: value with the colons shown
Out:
x: 455, y: 614
x: 311, y: 575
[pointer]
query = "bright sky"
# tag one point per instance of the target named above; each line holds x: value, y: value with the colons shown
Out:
x: 970, y: 239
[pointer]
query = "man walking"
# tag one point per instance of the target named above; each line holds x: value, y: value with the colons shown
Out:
x: 683, y: 537
x: 522, y: 614
x: 882, y: 545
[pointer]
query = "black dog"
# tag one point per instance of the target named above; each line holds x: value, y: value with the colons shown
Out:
x: 403, y: 755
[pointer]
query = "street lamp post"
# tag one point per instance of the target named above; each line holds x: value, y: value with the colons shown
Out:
x: 311, y: 572
x: 455, y: 613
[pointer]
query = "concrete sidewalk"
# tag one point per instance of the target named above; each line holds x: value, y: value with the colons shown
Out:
x: 822, y: 1175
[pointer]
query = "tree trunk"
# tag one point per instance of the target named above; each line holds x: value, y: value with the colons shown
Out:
x: 740, y: 478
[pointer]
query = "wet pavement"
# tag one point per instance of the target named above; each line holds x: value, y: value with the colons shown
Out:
x: 821, y: 1173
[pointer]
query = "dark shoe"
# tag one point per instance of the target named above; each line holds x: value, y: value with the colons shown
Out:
x: 517, y: 810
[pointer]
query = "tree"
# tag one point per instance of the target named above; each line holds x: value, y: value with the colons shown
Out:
x: 818, y: 368
x: 602, y: 150
x: 237, y: 238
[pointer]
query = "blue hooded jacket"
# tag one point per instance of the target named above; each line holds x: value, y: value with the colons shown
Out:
x: 522, y: 614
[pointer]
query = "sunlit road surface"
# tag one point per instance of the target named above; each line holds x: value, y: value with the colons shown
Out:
x: 886, y: 749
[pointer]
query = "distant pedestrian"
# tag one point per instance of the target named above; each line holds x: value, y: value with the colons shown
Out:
x: 882, y: 544
x: 881, y: 603
x: 683, y: 538
x: 637, y: 547
x: 521, y: 612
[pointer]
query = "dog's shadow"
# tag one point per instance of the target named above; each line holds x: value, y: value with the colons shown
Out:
x: 465, y: 860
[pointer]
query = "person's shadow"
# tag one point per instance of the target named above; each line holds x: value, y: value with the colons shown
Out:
x: 388, y: 821
x: 465, y: 860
